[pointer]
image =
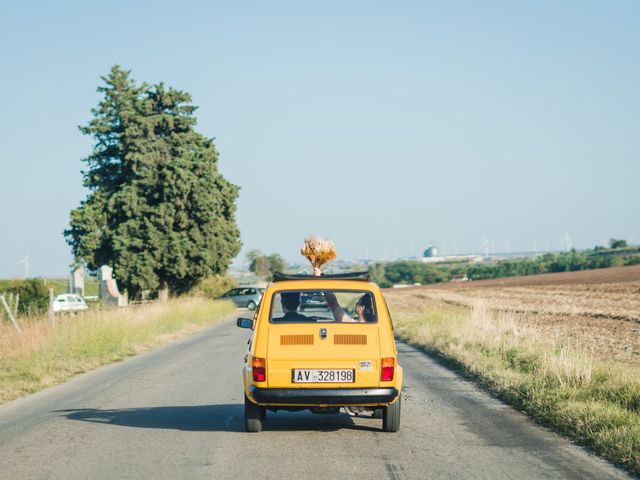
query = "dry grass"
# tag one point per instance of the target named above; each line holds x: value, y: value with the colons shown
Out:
x: 556, y: 380
x: 43, y: 355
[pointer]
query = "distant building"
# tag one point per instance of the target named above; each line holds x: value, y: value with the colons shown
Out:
x: 431, y: 256
x: 431, y: 252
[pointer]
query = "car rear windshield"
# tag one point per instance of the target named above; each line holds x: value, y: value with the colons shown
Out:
x: 323, y: 306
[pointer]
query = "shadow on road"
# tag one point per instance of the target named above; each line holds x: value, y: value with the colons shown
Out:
x: 215, y: 418
x: 306, y: 421
x: 195, y: 418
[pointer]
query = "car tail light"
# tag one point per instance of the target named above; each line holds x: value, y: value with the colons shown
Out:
x: 388, y: 366
x: 258, y: 366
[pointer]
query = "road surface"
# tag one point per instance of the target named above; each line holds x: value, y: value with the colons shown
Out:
x: 177, y: 412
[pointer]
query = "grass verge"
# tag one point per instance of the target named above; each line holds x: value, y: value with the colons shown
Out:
x: 43, y: 355
x: 596, y: 403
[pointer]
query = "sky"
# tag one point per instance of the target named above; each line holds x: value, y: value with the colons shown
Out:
x: 384, y: 126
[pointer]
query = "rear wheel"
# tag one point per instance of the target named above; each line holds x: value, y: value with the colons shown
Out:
x: 391, y: 416
x: 253, y: 416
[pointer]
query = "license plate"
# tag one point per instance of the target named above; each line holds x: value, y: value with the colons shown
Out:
x: 323, y: 376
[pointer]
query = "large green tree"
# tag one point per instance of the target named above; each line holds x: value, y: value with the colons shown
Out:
x: 158, y: 210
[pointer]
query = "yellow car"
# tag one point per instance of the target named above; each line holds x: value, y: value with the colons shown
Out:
x: 338, y: 352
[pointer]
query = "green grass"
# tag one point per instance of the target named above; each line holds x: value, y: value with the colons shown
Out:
x: 43, y: 355
x: 596, y: 403
x: 61, y: 285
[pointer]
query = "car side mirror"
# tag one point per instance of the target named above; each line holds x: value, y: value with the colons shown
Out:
x: 244, y: 322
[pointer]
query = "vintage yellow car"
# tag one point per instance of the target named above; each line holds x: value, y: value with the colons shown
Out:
x: 338, y: 352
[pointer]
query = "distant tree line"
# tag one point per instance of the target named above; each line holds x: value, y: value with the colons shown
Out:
x: 410, y: 272
x: 407, y: 272
x: 614, y: 244
x: 265, y: 265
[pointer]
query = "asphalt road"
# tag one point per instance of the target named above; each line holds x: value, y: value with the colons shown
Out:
x: 177, y: 413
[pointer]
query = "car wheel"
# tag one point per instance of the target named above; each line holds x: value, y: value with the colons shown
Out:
x: 391, y: 416
x: 253, y: 416
x: 251, y: 305
x: 377, y: 413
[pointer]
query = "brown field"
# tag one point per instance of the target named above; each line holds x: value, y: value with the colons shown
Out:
x: 597, y: 309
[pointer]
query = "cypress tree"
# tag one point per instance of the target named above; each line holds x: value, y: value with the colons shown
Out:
x: 158, y: 210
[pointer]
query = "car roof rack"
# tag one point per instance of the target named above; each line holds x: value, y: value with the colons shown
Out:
x: 362, y: 276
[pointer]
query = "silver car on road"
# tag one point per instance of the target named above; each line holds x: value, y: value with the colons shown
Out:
x: 245, y: 296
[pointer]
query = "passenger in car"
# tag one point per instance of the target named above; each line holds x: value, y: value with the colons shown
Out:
x: 364, y: 306
x: 290, y: 302
x: 364, y: 310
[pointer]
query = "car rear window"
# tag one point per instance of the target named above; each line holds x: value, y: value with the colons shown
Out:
x: 323, y: 306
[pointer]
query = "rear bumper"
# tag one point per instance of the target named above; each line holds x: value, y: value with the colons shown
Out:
x: 323, y: 396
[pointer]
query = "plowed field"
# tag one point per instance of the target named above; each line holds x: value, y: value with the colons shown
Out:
x: 599, y: 309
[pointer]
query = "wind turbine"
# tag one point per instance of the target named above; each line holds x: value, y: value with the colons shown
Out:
x: 566, y: 243
x: 485, y: 246
x: 25, y: 260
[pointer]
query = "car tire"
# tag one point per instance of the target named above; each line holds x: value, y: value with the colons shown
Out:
x: 391, y: 416
x: 377, y: 413
x: 253, y: 416
x: 251, y: 305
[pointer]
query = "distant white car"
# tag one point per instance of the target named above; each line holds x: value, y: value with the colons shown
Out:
x: 69, y: 302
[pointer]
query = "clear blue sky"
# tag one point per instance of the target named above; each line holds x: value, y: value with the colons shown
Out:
x: 384, y: 126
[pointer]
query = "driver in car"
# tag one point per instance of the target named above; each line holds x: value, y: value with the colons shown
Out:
x: 290, y: 302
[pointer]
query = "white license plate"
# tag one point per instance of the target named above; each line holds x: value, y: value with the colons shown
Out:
x: 323, y: 376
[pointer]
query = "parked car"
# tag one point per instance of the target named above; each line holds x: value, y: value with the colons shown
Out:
x: 325, y: 359
x: 248, y: 297
x: 69, y: 302
x: 312, y: 300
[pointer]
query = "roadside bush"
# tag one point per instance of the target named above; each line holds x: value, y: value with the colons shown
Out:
x: 34, y: 298
x: 214, y: 286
